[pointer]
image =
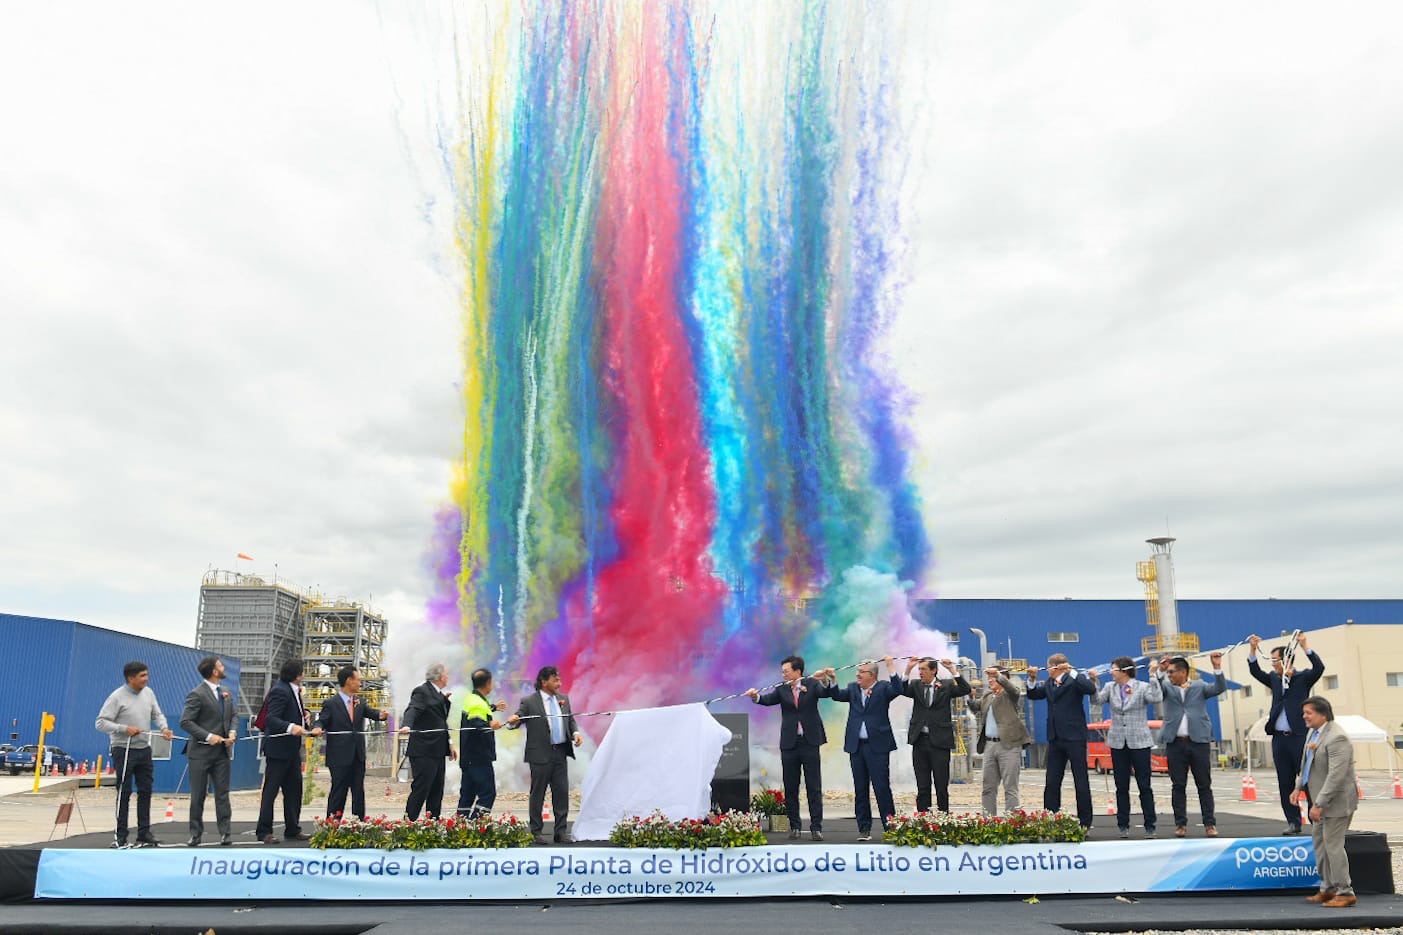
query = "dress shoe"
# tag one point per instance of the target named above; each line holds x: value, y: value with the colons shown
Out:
x: 147, y: 840
x: 865, y: 836
x: 226, y: 840
x: 1292, y: 829
x: 1321, y: 897
x: 117, y: 845
x: 194, y: 841
x: 1340, y: 901
x: 1180, y: 831
x: 269, y: 839
x: 1124, y: 833
x: 793, y: 834
x: 559, y: 839
x: 1211, y: 831
x: 1150, y: 834
x: 539, y: 839
x: 299, y: 836
x: 816, y: 834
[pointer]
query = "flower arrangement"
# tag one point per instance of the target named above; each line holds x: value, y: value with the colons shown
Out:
x: 931, y: 829
x: 728, y: 829
x: 393, y: 834
x: 768, y: 802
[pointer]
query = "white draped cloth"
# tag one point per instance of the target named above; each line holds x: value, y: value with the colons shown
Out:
x: 656, y: 759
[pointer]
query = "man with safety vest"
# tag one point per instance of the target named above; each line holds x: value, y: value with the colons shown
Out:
x: 478, y: 747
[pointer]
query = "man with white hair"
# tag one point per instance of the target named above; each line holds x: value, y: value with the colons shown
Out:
x: 426, y: 722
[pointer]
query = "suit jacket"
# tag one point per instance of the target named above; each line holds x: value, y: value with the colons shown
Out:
x: 792, y: 715
x: 343, y: 749
x: 538, y: 745
x: 1130, y: 716
x: 203, y: 716
x: 427, y: 711
x: 1194, y: 704
x: 1007, y: 706
x: 935, y: 715
x: 1292, y: 696
x: 1066, y: 712
x: 873, y: 713
x: 1332, y: 782
x: 284, y: 710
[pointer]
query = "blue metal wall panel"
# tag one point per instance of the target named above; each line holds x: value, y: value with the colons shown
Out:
x: 69, y: 668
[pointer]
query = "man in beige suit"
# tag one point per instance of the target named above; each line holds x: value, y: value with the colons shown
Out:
x: 1327, y: 783
x: 1002, y: 737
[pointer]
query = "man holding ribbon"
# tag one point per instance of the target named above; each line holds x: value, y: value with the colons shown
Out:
x: 1002, y: 737
x: 127, y: 716
x: 343, y: 718
x: 426, y: 722
x: 477, y: 747
x: 1329, y: 787
x: 287, y: 722
x: 868, y: 740
x: 1129, y: 738
x: 1289, y: 690
x: 1065, y: 690
x: 801, y: 735
x: 931, y: 732
x: 551, y: 737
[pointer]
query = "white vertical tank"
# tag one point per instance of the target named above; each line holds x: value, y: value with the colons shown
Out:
x: 1164, y: 579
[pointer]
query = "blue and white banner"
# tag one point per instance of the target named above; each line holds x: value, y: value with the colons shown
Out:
x: 601, y: 873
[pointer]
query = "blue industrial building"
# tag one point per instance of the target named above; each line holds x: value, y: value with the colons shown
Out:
x: 1092, y: 633
x: 68, y: 669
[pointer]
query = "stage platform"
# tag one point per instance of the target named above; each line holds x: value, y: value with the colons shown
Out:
x: 1247, y: 855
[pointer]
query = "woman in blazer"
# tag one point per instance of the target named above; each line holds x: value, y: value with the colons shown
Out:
x: 1129, y: 738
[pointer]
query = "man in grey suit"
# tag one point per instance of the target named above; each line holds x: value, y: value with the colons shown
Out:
x: 208, y: 718
x: 1329, y: 786
x: 1129, y: 738
x: 1002, y: 737
x: 1186, y: 734
x: 550, y: 731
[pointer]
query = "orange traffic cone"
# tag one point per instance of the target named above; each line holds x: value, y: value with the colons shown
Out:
x: 170, y: 809
x: 111, y: 770
x: 83, y: 770
x: 1249, y: 789
x: 1110, y: 806
x: 1359, y: 787
x: 1398, y: 787
x: 545, y: 811
x: 1305, y: 812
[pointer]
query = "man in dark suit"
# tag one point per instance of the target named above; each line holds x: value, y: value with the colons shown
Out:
x: 800, y: 737
x: 343, y: 718
x: 868, y: 740
x: 286, y: 724
x: 209, y: 720
x: 1066, y: 692
x: 931, y: 732
x: 1285, y: 724
x: 477, y: 747
x: 426, y: 722
x: 1186, y: 735
x: 551, y: 737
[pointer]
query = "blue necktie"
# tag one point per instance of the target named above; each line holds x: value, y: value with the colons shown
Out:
x: 557, y: 727
x: 1310, y: 757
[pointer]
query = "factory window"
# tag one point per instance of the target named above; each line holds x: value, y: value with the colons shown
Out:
x: 1398, y: 742
x: 1247, y: 691
x: 1063, y: 636
x: 1332, y: 682
x: 1395, y: 680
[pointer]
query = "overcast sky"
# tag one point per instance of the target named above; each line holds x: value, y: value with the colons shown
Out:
x: 1154, y: 284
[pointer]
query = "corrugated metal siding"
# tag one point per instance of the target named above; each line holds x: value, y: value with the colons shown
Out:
x: 69, y: 668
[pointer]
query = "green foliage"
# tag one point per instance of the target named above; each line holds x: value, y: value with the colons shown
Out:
x: 394, y: 834
x: 729, y: 829
x: 932, y: 829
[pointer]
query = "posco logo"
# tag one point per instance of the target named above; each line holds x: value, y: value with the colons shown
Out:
x: 1287, y: 854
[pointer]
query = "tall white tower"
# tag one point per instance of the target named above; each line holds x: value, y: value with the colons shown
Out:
x: 1162, y: 547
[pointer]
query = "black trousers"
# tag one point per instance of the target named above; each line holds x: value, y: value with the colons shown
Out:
x: 1061, y: 754
x: 1286, y: 753
x: 932, y: 766
x: 1185, y: 756
x: 426, y: 786
x: 203, y: 773
x: 134, y: 769
x: 803, y: 759
x: 554, y: 776
x: 283, y: 776
x: 349, y: 777
x: 1124, y: 761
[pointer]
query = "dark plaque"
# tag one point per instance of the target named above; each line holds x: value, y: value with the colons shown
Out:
x: 730, y: 787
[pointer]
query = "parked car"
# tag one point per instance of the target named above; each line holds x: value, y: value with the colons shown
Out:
x: 21, y: 759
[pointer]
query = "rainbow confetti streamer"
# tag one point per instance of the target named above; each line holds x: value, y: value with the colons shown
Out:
x: 683, y: 455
